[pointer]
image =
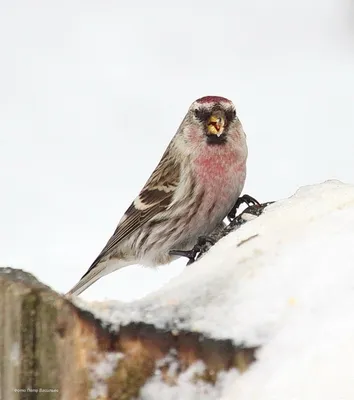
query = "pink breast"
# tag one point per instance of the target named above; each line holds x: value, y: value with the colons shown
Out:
x: 221, y: 176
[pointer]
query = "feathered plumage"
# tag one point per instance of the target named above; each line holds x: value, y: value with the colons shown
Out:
x: 196, y: 183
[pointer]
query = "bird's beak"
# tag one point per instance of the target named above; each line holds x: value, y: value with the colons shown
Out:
x: 216, y: 125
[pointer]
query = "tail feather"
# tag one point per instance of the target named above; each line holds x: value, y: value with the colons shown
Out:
x: 95, y: 273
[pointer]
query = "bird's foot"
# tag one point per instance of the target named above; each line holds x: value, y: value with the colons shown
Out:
x: 205, y: 242
x: 190, y: 254
x: 196, y: 251
x: 247, y: 199
x: 255, y: 210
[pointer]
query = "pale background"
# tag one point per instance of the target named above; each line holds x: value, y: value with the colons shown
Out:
x: 91, y: 92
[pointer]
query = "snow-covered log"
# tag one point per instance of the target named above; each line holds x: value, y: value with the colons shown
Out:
x: 266, y: 313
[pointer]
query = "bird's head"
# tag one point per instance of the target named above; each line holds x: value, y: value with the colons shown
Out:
x: 212, y: 118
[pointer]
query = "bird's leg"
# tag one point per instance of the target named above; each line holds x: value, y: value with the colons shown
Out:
x: 250, y: 201
x: 205, y: 242
x: 192, y: 254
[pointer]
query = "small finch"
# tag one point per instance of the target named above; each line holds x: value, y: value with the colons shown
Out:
x: 195, y: 185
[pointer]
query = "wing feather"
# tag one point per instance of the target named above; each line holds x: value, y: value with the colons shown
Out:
x: 154, y: 198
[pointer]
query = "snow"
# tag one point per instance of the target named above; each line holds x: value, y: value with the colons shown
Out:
x: 15, y: 354
x: 289, y: 290
x: 187, y: 387
x: 100, y: 371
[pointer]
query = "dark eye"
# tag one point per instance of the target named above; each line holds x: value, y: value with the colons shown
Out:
x: 231, y: 115
x: 201, y: 114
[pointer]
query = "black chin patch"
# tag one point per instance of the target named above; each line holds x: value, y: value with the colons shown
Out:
x: 214, y: 139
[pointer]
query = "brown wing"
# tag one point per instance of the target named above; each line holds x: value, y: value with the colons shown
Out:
x: 155, y: 197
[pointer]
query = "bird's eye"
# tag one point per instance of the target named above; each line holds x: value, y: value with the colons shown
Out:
x: 202, y: 115
x: 231, y: 115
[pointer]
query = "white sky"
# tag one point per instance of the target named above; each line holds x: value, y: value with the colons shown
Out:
x: 91, y: 92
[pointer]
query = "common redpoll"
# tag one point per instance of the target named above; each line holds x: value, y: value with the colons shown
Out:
x: 196, y: 183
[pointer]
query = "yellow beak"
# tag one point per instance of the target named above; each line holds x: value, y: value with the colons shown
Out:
x: 216, y: 125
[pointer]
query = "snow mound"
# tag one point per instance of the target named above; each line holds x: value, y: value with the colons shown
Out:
x: 284, y: 282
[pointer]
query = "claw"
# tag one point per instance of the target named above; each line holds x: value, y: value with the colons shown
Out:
x: 256, y: 209
x: 249, y: 200
x: 190, y: 254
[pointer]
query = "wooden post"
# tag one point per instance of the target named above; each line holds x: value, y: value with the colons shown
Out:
x: 50, y: 349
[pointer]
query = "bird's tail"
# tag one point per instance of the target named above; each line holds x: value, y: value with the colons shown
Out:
x: 94, y: 273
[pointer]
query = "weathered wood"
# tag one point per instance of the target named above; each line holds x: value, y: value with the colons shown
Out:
x: 51, y: 349
x: 27, y: 350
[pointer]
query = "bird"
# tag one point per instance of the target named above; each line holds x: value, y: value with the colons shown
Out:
x: 193, y: 188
